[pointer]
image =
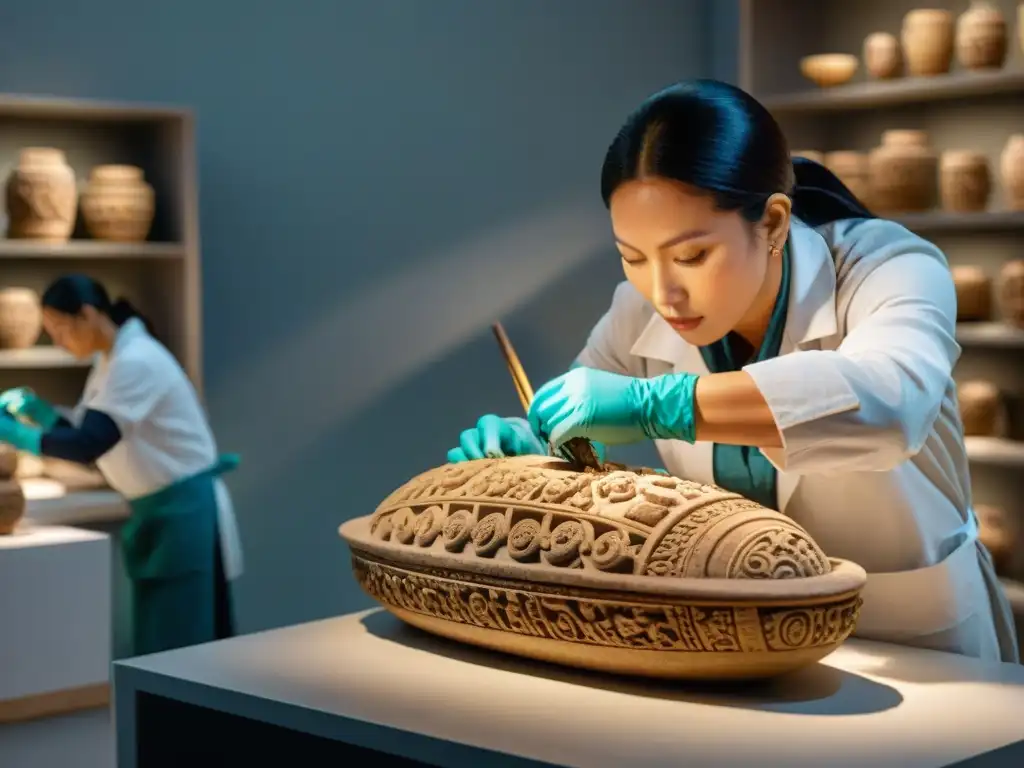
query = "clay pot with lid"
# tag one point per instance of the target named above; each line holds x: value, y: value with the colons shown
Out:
x: 981, y: 36
x: 973, y: 293
x: 118, y: 204
x: 42, y: 200
x: 1010, y: 292
x: 981, y: 408
x: 21, y: 318
x: 1011, y: 169
x: 904, y: 172
x: 927, y: 37
x: 883, y: 57
x: 853, y: 169
x: 964, y: 180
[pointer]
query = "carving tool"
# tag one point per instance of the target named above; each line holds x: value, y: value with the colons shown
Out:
x: 577, y: 451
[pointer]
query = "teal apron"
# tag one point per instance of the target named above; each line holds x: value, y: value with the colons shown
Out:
x: 170, y: 545
x: 743, y: 469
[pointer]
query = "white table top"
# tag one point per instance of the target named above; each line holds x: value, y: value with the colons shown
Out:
x: 28, y: 534
x: 868, y: 704
x: 78, y: 508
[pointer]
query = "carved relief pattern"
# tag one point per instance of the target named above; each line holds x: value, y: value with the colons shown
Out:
x: 564, y: 614
x: 592, y: 521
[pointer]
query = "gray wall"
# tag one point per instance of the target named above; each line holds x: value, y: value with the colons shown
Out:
x: 380, y: 181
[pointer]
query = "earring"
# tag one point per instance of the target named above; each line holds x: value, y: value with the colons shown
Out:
x: 776, y: 252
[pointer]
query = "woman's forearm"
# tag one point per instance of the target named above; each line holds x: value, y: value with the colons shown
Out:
x: 730, y: 409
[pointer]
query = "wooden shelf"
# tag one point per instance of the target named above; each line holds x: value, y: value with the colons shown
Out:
x: 997, y: 335
x: 905, y: 90
x: 995, y: 451
x: 88, y: 249
x: 941, y: 221
x: 40, y: 358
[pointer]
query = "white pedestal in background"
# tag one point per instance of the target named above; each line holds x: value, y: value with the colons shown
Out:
x: 55, y: 645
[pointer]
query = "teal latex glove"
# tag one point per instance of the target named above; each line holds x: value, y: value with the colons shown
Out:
x: 614, y: 409
x: 22, y: 401
x: 494, y: 437
x: 21, y: 436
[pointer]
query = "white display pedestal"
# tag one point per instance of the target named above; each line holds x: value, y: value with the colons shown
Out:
x: 365, y: 689
x: 54, y: 646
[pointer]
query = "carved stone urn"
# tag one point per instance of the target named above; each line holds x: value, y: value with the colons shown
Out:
x: 620, y: 571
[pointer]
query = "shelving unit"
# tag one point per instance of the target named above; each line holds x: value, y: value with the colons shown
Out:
x: 977, y: 110
x: 161, y: 277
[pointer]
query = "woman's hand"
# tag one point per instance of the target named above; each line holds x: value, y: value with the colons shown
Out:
x: 614, y: 409
x: 494, y: 437
x: 22, y: 401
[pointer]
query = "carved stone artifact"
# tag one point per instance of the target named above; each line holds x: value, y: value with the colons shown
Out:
x: 927, y: 37
x: 1010, y: 294
x: 118, y: 204
x: 42, y: 199
x: 904, y: 172
x: 964, y: 180
x: 882, y: 55
x: 973, y: 293
x: 21, y: 318
x: 620, y: 571
x: 981, y: 36
x: 982, y: 410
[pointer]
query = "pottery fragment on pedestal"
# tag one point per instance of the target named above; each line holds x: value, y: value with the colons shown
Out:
x: 623, y: 572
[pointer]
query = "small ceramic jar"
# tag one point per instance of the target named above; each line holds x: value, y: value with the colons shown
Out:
x: 21, y: 318
x: 927, y: 38
x: 964, y: 181
x: 904, y: 172
x: 981, y: 37
x: 883, y: 58
x: 1010, y: 293
x: 118, y: 204
x: 973, y: 293
x: 981, y: 408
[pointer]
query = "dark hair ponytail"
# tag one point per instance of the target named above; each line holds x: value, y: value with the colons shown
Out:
x: 70, y: 293
x: 718, y: 138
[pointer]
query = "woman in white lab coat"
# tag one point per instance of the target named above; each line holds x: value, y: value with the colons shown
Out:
x: 141, y: 422
x: 774, y: 338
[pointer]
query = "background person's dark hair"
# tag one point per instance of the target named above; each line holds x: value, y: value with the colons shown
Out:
x: 718, y: 138
x: 69, y: 293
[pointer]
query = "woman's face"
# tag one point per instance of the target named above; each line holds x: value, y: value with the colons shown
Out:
x: 704, y: 270
x: 75, y: 333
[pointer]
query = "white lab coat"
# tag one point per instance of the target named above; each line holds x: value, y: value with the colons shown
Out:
x: 873, y: 463
x: 165, y: 436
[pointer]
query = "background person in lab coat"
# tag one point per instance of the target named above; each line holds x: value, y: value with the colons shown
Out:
x: 776, y: 339
x: 142, y: 424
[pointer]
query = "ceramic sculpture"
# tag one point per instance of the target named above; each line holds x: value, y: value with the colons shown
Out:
x: 12, y: 498
x: 927, y: 37
x: 619, y: 570
x: 118, y: 204
x: 964, y: 181
x: 42, y: 199
x: 981, y: 36
x: 21, y: 318
x: 904, y: 172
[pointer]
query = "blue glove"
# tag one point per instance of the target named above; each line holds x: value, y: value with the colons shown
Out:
x: 614, y: 409
x: 22, y: 401
x: 494, y: 437
x: 21, y: 436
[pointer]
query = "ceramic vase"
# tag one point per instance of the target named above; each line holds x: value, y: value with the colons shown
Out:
x: 1010, y: 292
x: 927, y: 37
x: 883, y: 58
x: 973, y: 293
x: 1011, y: 171
x: 964, y: 181
x: 981, y: 408
x: 981, y: 37
x: 41, y: 196
x: 118, y: 204
x: 998, y: 532
x: 8, y: 461
x: 21, y: 318
x: 904, y: 172
x: 12, y: 506
x: 853, y: 170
